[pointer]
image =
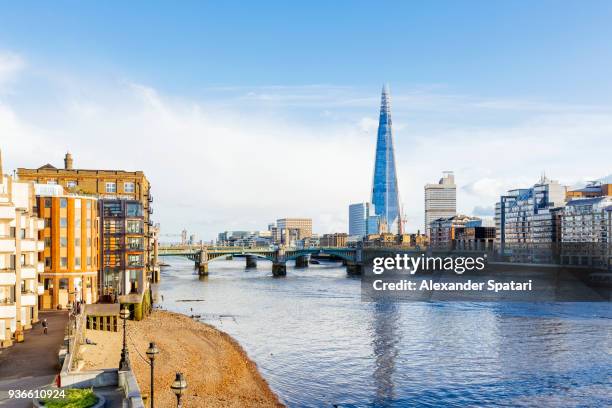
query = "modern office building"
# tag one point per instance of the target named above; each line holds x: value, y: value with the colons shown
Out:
x: 248, y: 239
x: 71, y: 239
x: 440, y: 199
x: 474, y: 236
x: 585, y: 220
x: 443, y: 231
x: 290, y: 230
x: 20, y: 259
x: 362, y: 220
x: 527, y: 222
x: 586, y: 232
x: 105, y: 184
x: 385, y: 193
x: 122, y: 259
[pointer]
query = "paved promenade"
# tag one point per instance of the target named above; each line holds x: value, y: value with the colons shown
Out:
x: 33, y: 363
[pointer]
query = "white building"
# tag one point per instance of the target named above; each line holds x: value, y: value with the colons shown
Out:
x: 440, y: 199
x: 20, y: 263
x: 587, y: 220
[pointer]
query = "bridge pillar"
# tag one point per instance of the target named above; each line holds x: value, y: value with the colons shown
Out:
x: 203, y: 269
x: 202, y: 263
x: 302, y: 261
x: 279, y: 269
x: 251, y: 261
x: 354, y: 268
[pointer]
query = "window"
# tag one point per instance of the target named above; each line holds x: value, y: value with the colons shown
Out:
x: 134, y: 260
x: 88, y: 205
x: 77, y: 242
x: 63, y: 262
x: 128, y: 187
x: 52, y: 181
x: 47, y: 222
x: 88, y: 242
x: 77, y: 222
x: 48, y: 262
x: 47, y: 202
x: 23, y: 259
x: 63, y: 222
x: 47, y: 242
x: 88, y: 223
x: 111, y: 187
x: 89, y: 261
x: 63, y: 242
x: 134, y: 243
x: 77, y: 262
x: 63, y: 203
x: 71, y: 184
x: 134, y: 210
x: 134, y: 227
x: 22, y: 233
x: 12, y: 232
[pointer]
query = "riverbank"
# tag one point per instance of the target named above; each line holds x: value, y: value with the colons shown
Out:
x: 217, y: 370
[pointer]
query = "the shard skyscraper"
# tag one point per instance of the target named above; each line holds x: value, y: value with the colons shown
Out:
x: 385, y: 195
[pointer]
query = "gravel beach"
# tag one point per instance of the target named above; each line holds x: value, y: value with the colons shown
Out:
x: 217, y: 370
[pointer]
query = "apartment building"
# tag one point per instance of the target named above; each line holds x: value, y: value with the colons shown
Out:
x: 290, y: 230
x: 337, y: 239
x: 105, y: 184
x: 20, y: 259
x: 443, y: 231
x: 440, y: 199
x: 71, y: 236
x: 527, y: 222
x: 122, y: 259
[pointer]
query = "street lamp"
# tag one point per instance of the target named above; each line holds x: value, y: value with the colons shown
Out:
x: 124, y: 363
x: 151, y: 352
x: 178, y: 387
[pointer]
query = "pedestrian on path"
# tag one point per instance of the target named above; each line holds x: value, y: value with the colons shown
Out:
x: 45, y: 325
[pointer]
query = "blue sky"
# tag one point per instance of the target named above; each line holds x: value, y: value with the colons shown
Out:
x: 470, y: 80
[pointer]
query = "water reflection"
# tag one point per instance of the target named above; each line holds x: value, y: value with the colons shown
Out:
x: 384, y: 346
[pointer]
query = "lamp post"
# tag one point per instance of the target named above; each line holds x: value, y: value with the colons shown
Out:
x: 178, y: 387
x: 151, y: 352
x: 124, y: 363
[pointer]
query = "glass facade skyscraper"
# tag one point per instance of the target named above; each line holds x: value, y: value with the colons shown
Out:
x: 385, y: 195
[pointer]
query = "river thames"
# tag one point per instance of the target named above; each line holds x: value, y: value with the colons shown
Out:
x: 318, y: 344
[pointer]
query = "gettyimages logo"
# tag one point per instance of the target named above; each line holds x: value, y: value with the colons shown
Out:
x: 412, y: 265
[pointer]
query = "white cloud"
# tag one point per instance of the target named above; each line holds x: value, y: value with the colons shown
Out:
x: 10, y: 65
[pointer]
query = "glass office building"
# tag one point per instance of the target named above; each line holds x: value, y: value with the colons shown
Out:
x: 385, y: 195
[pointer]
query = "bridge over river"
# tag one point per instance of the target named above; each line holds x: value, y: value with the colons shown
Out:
x: 202, y: 256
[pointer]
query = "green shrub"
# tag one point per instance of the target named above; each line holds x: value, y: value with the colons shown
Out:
x: 74, y: 398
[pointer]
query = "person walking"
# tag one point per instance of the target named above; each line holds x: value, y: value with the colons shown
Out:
x: 45, y: 325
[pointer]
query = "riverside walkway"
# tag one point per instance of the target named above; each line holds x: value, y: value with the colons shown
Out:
x: 33, y: 363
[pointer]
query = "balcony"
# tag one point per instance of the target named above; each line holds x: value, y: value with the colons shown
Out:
x: 7, y: 309
x: 41, y: 289
x: 7, y: 212
x: 28, y: 245
x: 40, y: 267
x: 40, y: 224
x: 28, y: 298
x: 7, y: 244
x: 7, y: 277
x: 28, y: 272
x: 40, y: 246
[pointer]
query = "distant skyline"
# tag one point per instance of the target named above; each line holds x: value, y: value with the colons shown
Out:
x: 240, y: 114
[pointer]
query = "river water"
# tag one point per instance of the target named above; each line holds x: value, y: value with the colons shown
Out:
x: 318, y: 344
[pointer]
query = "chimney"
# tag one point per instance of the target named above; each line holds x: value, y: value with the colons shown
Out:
x: 68, y: 161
